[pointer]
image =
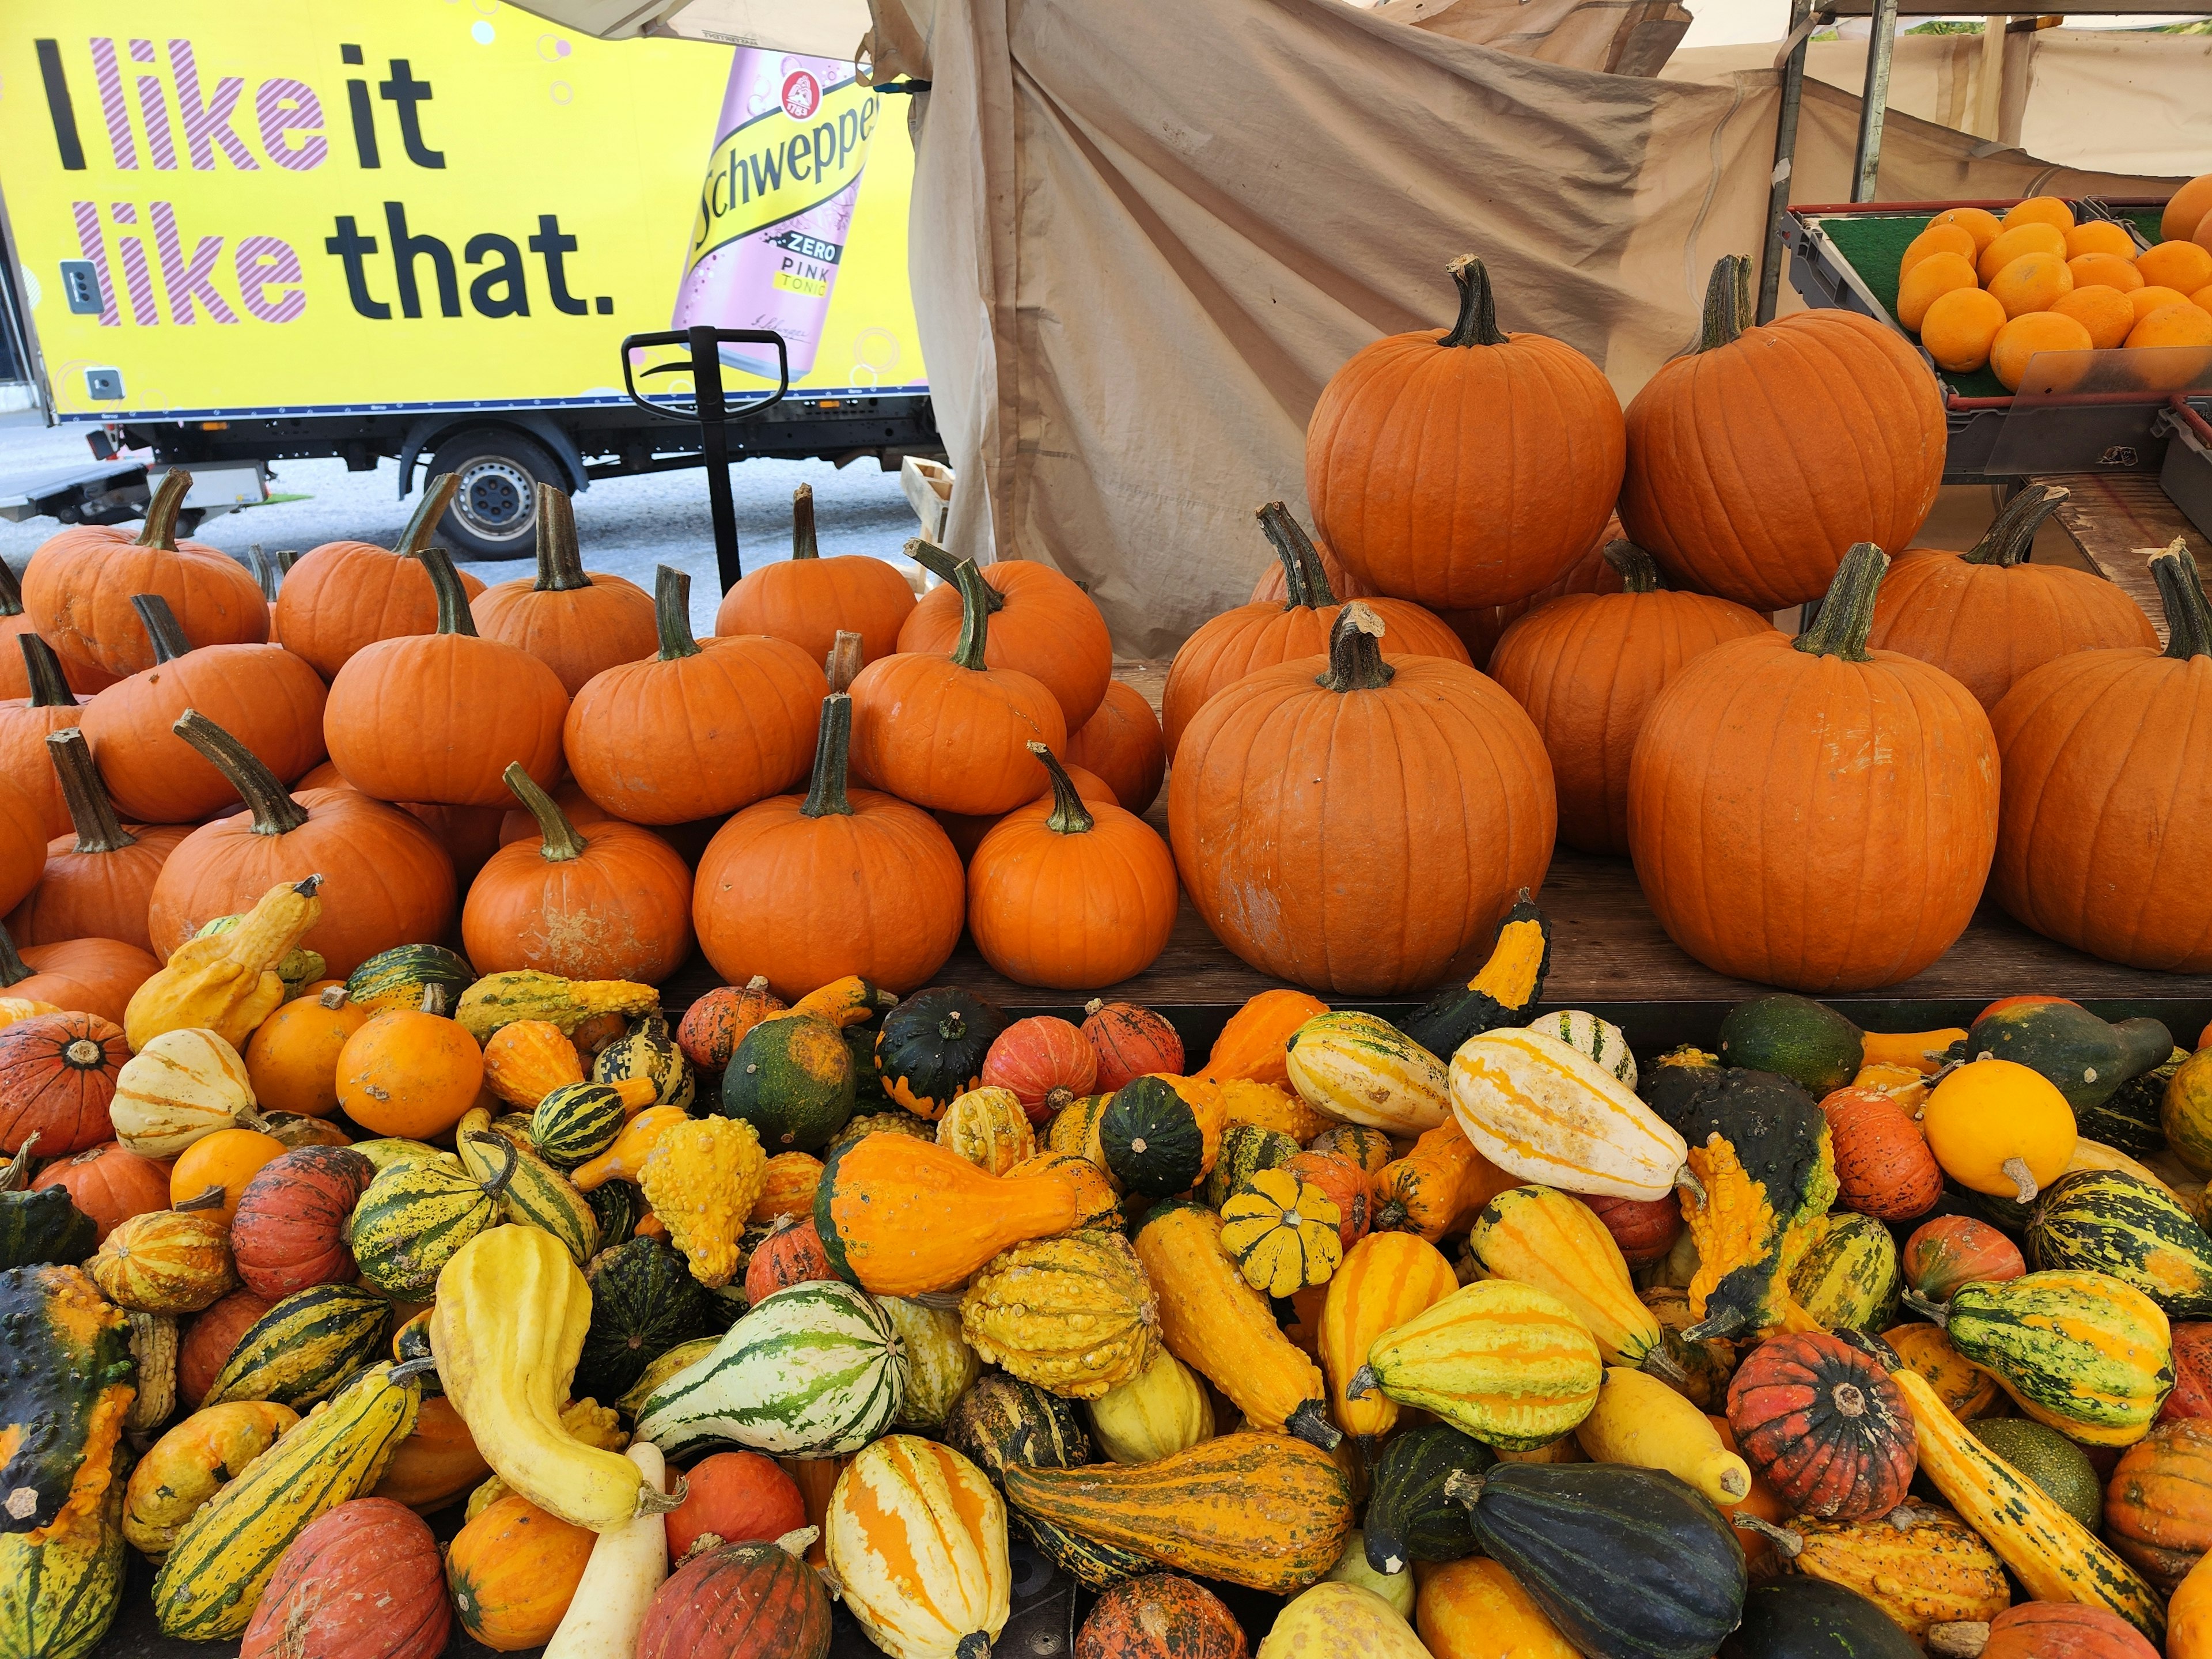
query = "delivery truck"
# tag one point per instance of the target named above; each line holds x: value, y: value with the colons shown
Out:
x: 239, y: 232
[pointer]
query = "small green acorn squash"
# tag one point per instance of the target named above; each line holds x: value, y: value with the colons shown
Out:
x: 932, y: 1047
x: 644, y: 1302
x: 1409, y: 1518
x: 791, y: 1078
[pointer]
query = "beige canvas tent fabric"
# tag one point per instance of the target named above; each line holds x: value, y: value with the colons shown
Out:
x: 1620, y: 37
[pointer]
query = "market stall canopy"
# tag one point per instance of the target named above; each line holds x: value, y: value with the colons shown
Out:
x: 819, y: 28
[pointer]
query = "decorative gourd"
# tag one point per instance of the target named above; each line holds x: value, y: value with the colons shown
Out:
x: 932, y: 1046
x: 1220, y: 1326
x: 1361, y: 1069
x: 1639, y: 1420
x: 576, y: 1122
x: 1253, y: 1044
x: 713, y: 1026
x: 1999, y: 1128
x: 1545, y: 1112
x: 217, y: 1167
x: 304, y: 1347
x: 42, y: 1226
x: 1123, y: 747
x: 411, y: 1072
x: 1158, y: 1138
x: 57, y: 1074
x: 1470, y: 1608
x: 291, y: 1224
x: 226, y: 982
x: 792, y: 1079
x: 1966, y: 1390
x: 1644, y: 1230
x: 730, y: 1499
x: 1248, y: 843
x: 1130, y: 1042
x: 812, y: 1372
x: 1073, y: 1315
x: 1281, y: 1232
x: 70, y: 1384
x: 512, y: 1572
x: 1952, y: 1250
x: 166, y: 1261
x: 1535, y: 450
x: 941, y: 1365
x: 1386, y: 1279
x: 1823, y: 1425
x: 990, y: 1128
x: 2081, y: 1351
x: 1847, y: 1275
x: 916, y: 1536
x: 1338, y: 1620
x: 626, y: 1157
x: 189, y: 1463
x: 98, y: 884
x: 292, y: 1058
x: 2158, y: 1504
x: 364, y: 1582
x: 414, y: 1216
x: 1922, y: 1566
x: 1159, y: 1616
x: 184, y: 1084
x: 575, y: 623
x: 1883, y: 1166
x: 644, y: 1302
x: 745, y: 1599
x: 1045, y: 1062
x: 2109, y: 1221
x: 1409, y: 1517
x: 702, y: 1178
x: 109, y: 1184
x: 1161, y: 1410
x: 1802, y: 1614
x: 436, y: 1464
x: 1438, y: 1187
x: 644, y: 1055
x: 1537, y: 1236
x: 535, y: 1195
x: 2064, y: 1628
x: 791, y: 1253
x: 1508, y: 1364
x: 1344, y: 1184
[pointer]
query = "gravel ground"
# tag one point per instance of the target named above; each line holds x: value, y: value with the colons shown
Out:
x: 626, y: 525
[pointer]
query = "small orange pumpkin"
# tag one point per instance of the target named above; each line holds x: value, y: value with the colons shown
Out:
x: 410, y: 1072
x: 809, y: 600
x: 293, y: 1058
x: 512, y: 1571
x: 574, y: 621
x: 1042, y: 625
x: 221, y: 1163
x: 1123, y: 746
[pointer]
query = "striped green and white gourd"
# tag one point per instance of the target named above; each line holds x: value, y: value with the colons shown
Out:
x: 814, y: 1370
x: 396, y: 978
x: 1599, y: 1039
x: 2109, y: 1221
x: 413, y: 1219
x: 304, y: 1347
x: 1361, y: 1068
x: 576, y: 1122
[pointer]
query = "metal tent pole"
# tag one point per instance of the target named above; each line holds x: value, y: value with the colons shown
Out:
x: 1785, y: 155
x: 1874, y: 103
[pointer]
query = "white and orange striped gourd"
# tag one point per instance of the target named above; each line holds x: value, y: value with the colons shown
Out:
x: 1547, y: 1112
x: 1386, y: 1278
x: 916, y: 1538
x: 1542, y: 1237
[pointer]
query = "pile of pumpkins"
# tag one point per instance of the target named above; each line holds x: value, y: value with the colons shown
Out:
x: 1985, y: 291
x: 1469, y: 1335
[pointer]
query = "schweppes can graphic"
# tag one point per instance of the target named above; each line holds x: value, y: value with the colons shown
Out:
x: 776, y: 203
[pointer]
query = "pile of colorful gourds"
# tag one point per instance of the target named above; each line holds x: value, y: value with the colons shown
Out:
x: 1466, y: 1325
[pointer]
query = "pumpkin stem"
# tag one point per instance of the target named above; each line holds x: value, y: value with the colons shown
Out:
x: 650, y: 1502
x: 802, y: 523
x: 437, y: 998
x: 1478, y: 308
x: 974, y: 1646
x: 266, y: 576
x: 334, y: 997
x: 1728, y: 302
x: 671, y: 613
x: 275, y: 812
x: 2010, y: 539
x: 18, y: 1169
x: 1363, y: 1382
x: 453, y: 614
x: 13, y: 970
x: 2181, y: 591
x: 1309, y: 1422
x: 1790, y: 1543
x: 560, y: 562
x: 208, y: 1197
x: 1463, y: 1487
x: 498, y: 1185
x: 1847, y: 613
x: 1959, y: 1639
x: 1069, y: 815
x: 942, y: 566
x: 1355, y: 651
x: 436, y: 497
x: 1305, y: 578
x: 1662, y: 1364
x: 286, y: 557
x: 159, y: 529
x: 825, y: 796
x: 11, y: 592
x: 1638, y: 570
x: 975, y: 617
x: 161, y: 627
x: 1686, y: 1180
x: 97, y: 828
x: 1933, y: 1311
x: 49, y: 689
x: 408, y: 1370
x: 1725, y: 1322
x: 2022, y: 1178
x: 843, y: 663
x: 559, y: 841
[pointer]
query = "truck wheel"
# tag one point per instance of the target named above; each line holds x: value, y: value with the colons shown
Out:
x: 494, y: 511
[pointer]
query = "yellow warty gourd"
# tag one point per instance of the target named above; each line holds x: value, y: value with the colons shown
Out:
x: 702, y: 1178
x: 498, y: 1000
x: 1341, y: 1621
x: 1548, y: 1113
x: 1638, y: 1419
x: 506, y: 1329
x: 227, y: 982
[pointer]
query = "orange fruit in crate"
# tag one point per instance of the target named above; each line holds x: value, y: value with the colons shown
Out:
x: 2039, y: 210
x: 2029, y: 333
x: 1960, y: 327
x: 2186, y: 208
x: 1979, y: 223
x: 2147, y: 300
x: 1938, y: 239
x: 2016, y: 242
x: 1935, y: 275
x: 2105, y: 311
x: 2109, y: 269
x: 2184, y: 325
x: 2181, y: 265
x: 2030, y: 282
x: 2099, y: 236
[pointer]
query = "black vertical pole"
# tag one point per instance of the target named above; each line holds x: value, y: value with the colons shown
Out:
x: 706, y: 383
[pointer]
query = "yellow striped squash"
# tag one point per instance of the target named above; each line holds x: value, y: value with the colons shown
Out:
x: 1508, y: 1364
x: 1541, y: 1237
x: 1156, y: 1413
x: 208, y: 1588
x: 1545, y: 1112
x: 2051, y: 1553
x: 1386, y: 1278
x: 916, y: 1537
x: 1341, y: 1621
x: 1361, y: 1069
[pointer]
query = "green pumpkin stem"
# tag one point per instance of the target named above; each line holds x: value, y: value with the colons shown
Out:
x: 159, y: 529
x: 2181, y: 591
x: 843, y: 664
x: 453, y: 614
x: 13, y: 968
x: 97, y: 828
x: 560, y: 562
x: 1070, y: 816
x: 423, y: 523
x: 266, y: 576
x: 802, y: 523
x: 942, y: 565
x: 275, y: 812
x: 671, y: 613
x: 1478, y: 307
x: 1355, y: 651
x: 11, y: 592
x: 1728, y: 302
x: 2010, y: 539
x: 1637, y: 570
x: 825, y: 795
x: 161, y: 627
x: 1305, y: 578
x: 49, y: 685
x: 1847, y: 612
x: 975, y: 617
x: 559, y: 841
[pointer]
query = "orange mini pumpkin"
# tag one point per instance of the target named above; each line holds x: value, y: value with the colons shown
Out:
x: 293, y: 1058
x: 344, y: 596
x: 222, y: 1164
x: 98, y: 883
x: 809, y: 600
x: 410, y: 1072
x: 1123, y: 746
x: 574, y: 621
x: 1042, y: 625
x: 512, y: 1571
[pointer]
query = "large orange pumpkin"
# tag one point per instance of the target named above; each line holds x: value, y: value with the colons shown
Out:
x: 98, y: 883
x: 80, y: 585
x: 1466, y: 466
x: 611, y: 903
x: 22, y: 841
x: 1248, y: 637
x: 81, y: 976
x: 83, y: 677
x: 1987, y: 617
x: 1586, y: 667
x: 1808, y: 814
x: 26, y: 722
x: 438, y: 717
x: 806, y: 890
x: 1838, y: 404
x: 1480, y: 630
x: 1122, y: 745
x: 265, y: 697
x: 388, y: 881
x: 1314, y: 796
x: 951, y: 731
x: 343, y: 596
x: 1071, y: 894
x: 2107, y: 823
x: 1042, y: 625
x: 699, y: 729
x: 810, y: 600
x: 576, y: 622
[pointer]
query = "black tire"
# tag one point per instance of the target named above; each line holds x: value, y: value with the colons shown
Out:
x: 495, y: 512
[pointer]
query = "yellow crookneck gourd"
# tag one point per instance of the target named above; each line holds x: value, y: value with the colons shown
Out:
x: 227, y: 982
x: 507, y: 1330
